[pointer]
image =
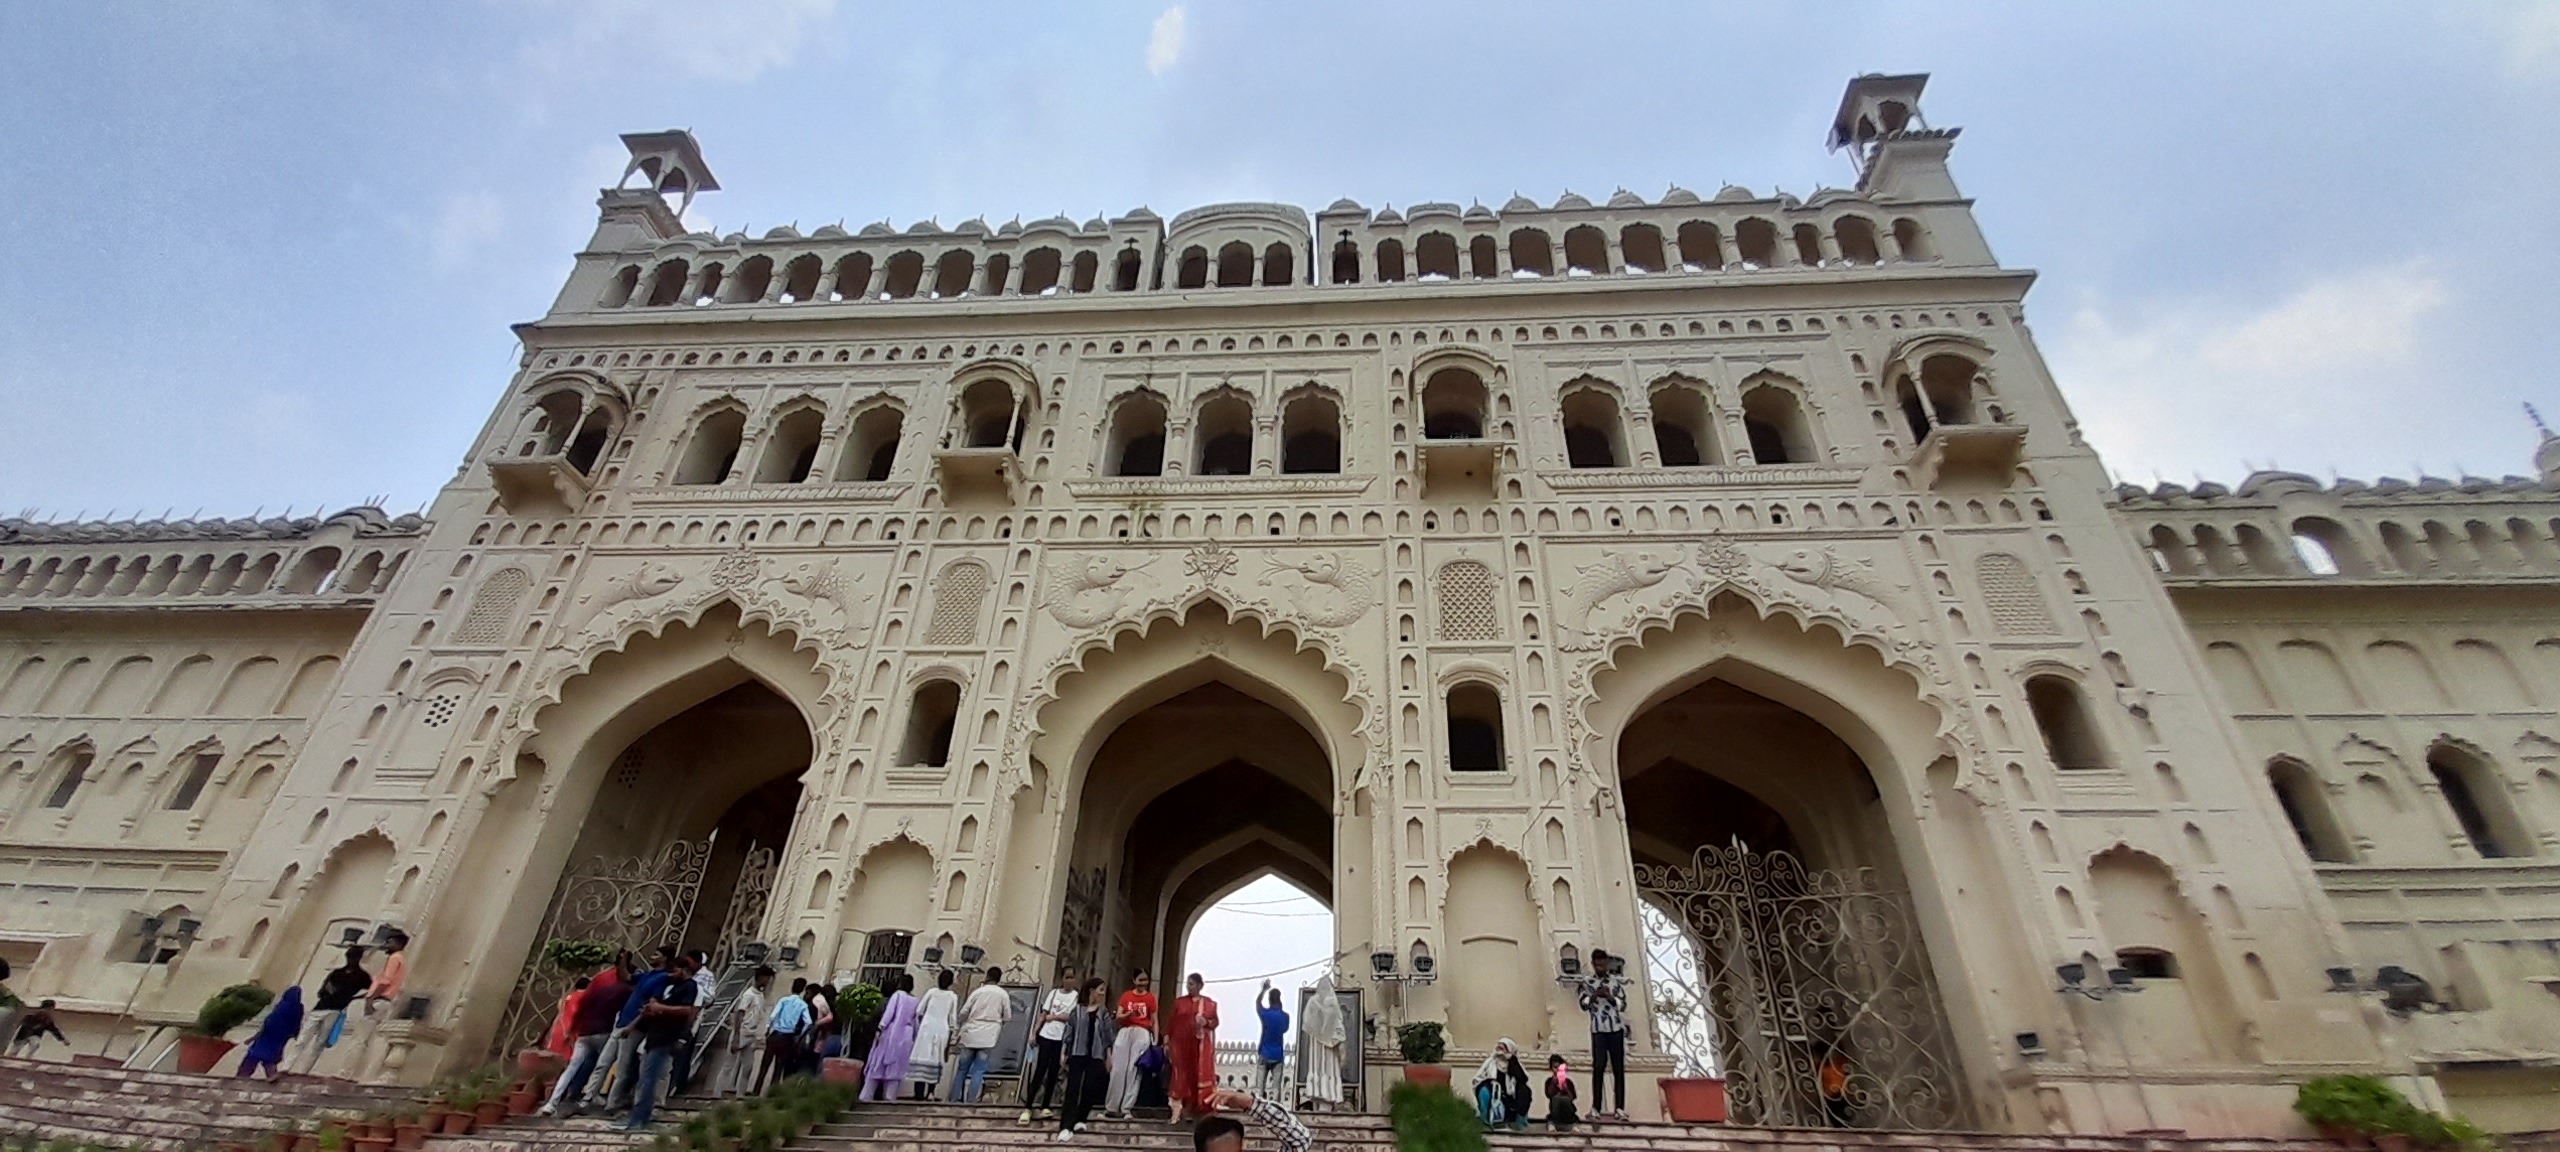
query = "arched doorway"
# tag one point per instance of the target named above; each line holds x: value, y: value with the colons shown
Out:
x: 1774, y: 894
x: 658, y: 783
x: 1184, y: 801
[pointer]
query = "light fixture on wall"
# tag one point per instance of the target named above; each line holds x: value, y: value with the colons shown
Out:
x: 789, y: 956
x: 1382, y: 967
x: 1568, y: 964
x: 933, y: 956
x: 970, y: 954
x: 1425, y: 969
x: 2342, y: 979
x: 2030, y: 1045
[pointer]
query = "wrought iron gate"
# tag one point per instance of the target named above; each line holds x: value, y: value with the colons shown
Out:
x: 1797, y: 968
x: 748, y: 899
x: 634, y: 902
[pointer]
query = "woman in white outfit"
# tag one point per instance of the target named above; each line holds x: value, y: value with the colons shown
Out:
x: 1321, y: 1035
x: 937, y: 1013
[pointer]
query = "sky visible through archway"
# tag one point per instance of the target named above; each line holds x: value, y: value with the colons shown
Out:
x: 1266, y: 929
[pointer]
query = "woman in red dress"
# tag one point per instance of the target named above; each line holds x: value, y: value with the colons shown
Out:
x: 1191, y: 1041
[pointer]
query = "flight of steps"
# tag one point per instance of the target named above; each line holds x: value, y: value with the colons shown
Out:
x: 907, y: 1127
x: 166, y: 1110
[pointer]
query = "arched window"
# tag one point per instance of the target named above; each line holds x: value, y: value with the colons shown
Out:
x: 800, y: 279
x: 1946, y: 381
x: 1224, y: 433
x: 1808, y: 245
x: 2479, y: 802
x: 792, y: 449
x: 1235, y: 265
x: 1856, y: 236
x: 1279, y: 267
x: 1040, y: 272
x: 951, y: 274
x: 191, y: 786
x: 1136, y: 444
x: 1913, y: 240
x: 554, y: 417
x: 75, y: 771
x: 1484, y: 258
x: 594, y: 433
x: 666, y: 283
x: 1435, y: 256
x: 1594, y: 436
x: 930, y: 720
x: 1453, y: 405
x: 1390, y: 261
x: 1701, y: 246
x: 999, y: 269
x: 1192, y: 270
x: 2326, y: 549
x: 1124, y: 271
x: 1532, y: 253
x: 1775, y: 422
x: 712, y: 448
x: 1311, y: 435
x: 872, y: 448
x: 1475, y: 728
x: 1757, y: 243
x: 906, y: 275
x: 987, y: 416
x: 1681, y: 431
x: 709, y: 289
x: 2306, y: 807
x: 1346, y: 262
x: 853, y: 277
x: 1641, y: 246
x: 2062, y: 718
x: 1586, y: 250
x: 1086, y: 270
x: 753, y: 279
x: 618, y: 291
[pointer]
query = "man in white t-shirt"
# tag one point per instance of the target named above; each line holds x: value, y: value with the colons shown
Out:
x: 1048, y: 1034
x: 982, y: 1021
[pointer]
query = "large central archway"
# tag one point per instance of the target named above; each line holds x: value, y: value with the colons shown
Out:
x: 1193, y: 756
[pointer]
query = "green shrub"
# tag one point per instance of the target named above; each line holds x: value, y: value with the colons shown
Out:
x: 230, y: 1008
x: 859, y: 1004
x: 2357, y: 1103
x: 1430, y: 1118
x: 577, y: 955
x: 1422, y: 1042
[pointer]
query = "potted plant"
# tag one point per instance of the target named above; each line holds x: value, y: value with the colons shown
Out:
x: 203, y: 1044
x: 462, y: 1098
x: 1430, y: 1118
x: 1423, y: 1044
x: 2349, y: 1110
x: 858, y: 1012
x: 409, y: 1132
x: 578, y: 956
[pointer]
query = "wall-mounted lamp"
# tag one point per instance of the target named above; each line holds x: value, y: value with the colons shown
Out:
x: 933, y: 955
x: 2342, y: 979
x: 2030, y: 1045
x: 970, y: 954
x: 2075, y: 981
x: 789, y: 956
x: 1568, y: 964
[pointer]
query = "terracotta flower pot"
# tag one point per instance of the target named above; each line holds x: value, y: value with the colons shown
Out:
x: 306, y: 1142
x: 455, y: 1124
x: 840, y: 1070
x: 372, y: 1144
x: 408, y: 1136
x: 1693, y: 1099
x: 1436, y: 1074
x: 490, y: 1112
x: 198, y: 1054
x: 520, y: 1100
x: 540, y: 1063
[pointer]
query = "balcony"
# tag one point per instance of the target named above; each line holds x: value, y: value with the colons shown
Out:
x: 1459, y: 468
x: 978, y: 476
x: 1969, y: 455
x: 539, y: 485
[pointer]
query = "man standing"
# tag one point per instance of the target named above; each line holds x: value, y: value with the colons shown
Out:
x: 622, y: 1053
x: 982, y: 1021
x: 746, y: 1037
x: 1137, y: 1015
x: 32, y: 1028
x: 1274, y: 1049
x: 689, y: 1061
x: 1192, y: 1043
x: 782, y: 1034
x: 1604, y: 996
x: 607, y: 992
x: 663, y: 1023
x: 379, y: 1000
x: 1048, y: 1035
x: 328, y: 1011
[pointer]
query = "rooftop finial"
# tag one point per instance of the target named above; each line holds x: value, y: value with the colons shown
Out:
x: 2536, y: 417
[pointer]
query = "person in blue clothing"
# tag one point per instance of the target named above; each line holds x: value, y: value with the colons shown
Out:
x: 624, y: 1054
x: 1275, y: 1049
x: 663, y: 1024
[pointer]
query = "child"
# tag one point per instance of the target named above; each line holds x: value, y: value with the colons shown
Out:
x: 1561, y: 1110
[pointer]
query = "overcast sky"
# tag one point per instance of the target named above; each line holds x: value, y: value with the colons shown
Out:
x: 267, y: 255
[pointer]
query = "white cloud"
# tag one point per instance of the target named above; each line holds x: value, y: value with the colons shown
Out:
x: 734, y: 40
x: 2201, y: 385
x: 1164, y: 44
x: 462, y: 224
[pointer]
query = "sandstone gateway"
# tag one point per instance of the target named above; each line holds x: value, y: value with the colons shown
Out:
x: 1516, y: 581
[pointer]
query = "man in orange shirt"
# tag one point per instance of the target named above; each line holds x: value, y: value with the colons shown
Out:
x: 1137, y: 1031
x: 1192, y: 1043
x: 379, y: 998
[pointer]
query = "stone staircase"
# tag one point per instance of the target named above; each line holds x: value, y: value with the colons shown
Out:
x: 909, y: 1127
x: 166, y: 1110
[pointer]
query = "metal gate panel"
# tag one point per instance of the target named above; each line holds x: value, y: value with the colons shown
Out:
x: 634, y: 902
x: 1796, y: 964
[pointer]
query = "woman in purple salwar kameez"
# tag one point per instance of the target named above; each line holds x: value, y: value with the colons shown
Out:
x: 885, y: 1070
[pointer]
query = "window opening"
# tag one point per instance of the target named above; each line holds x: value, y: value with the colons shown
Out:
x: 1475, y: 728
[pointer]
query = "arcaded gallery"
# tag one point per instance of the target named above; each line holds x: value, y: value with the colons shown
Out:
x: 1714, y: 579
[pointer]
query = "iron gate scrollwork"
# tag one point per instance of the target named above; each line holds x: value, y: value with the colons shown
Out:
x: 634, y: 902
x: 749, y: 897
x: 1795, y: 965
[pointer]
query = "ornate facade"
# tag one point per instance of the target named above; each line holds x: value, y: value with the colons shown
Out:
x: 1496, y: 576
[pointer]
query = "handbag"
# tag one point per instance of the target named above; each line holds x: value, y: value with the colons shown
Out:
x: 1153, y: 1059
x: 337, y: 1026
